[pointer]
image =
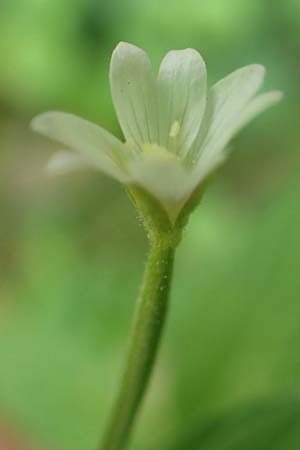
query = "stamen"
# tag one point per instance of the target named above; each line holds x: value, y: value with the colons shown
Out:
x: 175, y: 128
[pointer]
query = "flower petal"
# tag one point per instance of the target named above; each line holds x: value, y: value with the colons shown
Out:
x: 182, y: 98
x: 256, y: 106
x: 133, y: 90
x: 163, y: 175
x: 64, y: 162
x: 209, y: 161
x: 98, y: 147
x: 208, y: 164
x: 227, y: 100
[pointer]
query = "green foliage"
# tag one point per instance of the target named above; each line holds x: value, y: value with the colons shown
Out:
x: 269, y: 424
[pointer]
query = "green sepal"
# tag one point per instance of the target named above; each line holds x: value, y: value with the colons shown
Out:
x: 193, y: 201
x: 154, y: 216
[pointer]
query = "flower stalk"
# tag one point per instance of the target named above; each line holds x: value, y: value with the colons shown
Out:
x: 144, y: 340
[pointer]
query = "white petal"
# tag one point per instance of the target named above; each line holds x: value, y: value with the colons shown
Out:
x: 256, y: 106
x: 227, y: 100
x: 98, y: 147
x: 182, y: 98
x: 163, y: 176
x: 134, y: 93
x: 64, y: 162
x: 208, y: 162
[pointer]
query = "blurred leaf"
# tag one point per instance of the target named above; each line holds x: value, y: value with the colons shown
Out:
x: 269, y: 424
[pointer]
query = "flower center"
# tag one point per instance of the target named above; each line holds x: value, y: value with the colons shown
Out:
x: 157, y: 151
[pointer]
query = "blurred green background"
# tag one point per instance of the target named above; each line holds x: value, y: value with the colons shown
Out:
x: 72, y: 252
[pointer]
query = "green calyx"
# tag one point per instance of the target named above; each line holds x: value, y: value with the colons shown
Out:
x: 155, y: 218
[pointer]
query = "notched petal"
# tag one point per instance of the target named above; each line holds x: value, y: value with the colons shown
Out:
x: 98, y: 147
x: 226, y: 101
x: 256, y: 106
x: 134, y: 93
x: 63, y: 162
x: 182, y: 98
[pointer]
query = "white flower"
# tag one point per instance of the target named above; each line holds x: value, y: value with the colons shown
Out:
x: 176, y: 130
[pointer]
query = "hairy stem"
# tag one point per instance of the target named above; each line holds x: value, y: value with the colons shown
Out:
x: 148, y: 323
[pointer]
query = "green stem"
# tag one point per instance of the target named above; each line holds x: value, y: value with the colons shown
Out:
x: 143, y: 343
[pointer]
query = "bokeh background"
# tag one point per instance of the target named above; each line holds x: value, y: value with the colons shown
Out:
x: 72, y: 252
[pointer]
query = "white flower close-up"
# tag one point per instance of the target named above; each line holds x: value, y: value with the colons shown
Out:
x: 176, y: 130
